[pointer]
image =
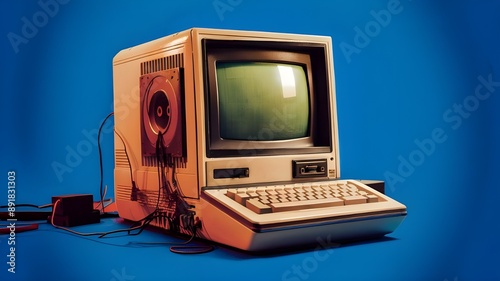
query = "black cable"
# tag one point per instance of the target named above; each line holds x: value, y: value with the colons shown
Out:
x: 101, y: 192
x: 159, y: 166
x: 143, y: 223
x: 28, y: 205
x: 191, y: 249
x: 183, y: 247
x: 162, y: 179
x: 175, y: 194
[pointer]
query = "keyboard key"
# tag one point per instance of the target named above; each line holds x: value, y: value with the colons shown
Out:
x: 253, y: 194
x: 308, y: 204
x: 241, y: 198
x: 257, y: 207
x: 262, y: 192
x: 351, y: 200
x: 271, y: 192
x: 352, y: 187
x: 372, y: 198
x: 282, y: 197
x: 231, y: 193
x: 263, y: 201
x: 317, y: 188
x: 281, y: 191
x: 300, y: 192
x: 272, y: 197
x: 320, y: 196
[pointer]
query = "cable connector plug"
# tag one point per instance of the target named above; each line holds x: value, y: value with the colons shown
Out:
x: 133, y: 193
x: 197, y: 223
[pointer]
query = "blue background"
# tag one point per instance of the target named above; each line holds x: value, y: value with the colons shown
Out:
x: 398, y: 87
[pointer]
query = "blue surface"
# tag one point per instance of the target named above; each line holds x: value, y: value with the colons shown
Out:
x: 400, y: 83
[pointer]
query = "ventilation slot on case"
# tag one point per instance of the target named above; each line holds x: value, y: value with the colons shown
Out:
x: 122, y: 192
x: 169, y: 62
x: 121, y: 158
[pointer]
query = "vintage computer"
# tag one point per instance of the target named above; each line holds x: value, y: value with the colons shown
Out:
x: 231, y: 136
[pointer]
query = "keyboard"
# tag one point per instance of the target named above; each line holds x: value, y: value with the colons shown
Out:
x: 340, y: 209
x: 265, y: 217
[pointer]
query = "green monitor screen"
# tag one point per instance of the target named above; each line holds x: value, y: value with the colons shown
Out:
x: 262, y: 101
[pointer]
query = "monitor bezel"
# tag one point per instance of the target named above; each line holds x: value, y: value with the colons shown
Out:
x: 310, y: 56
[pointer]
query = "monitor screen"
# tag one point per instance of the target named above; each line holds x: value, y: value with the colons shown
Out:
x: 263, y: 101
